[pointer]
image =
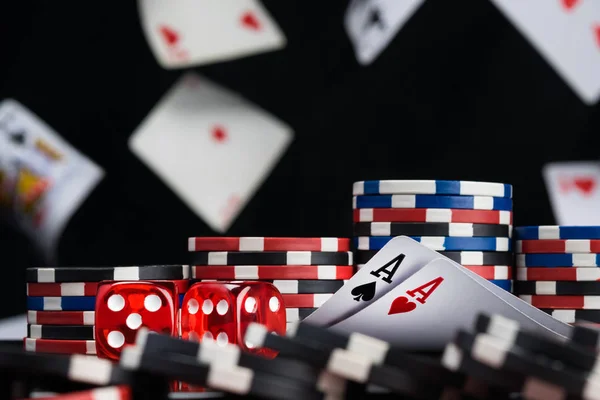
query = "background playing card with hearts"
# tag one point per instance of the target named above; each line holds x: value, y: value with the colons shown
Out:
x: 574, y: 191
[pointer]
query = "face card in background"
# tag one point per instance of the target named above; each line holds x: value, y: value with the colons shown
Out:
x: 574, y: 190
x: 184, y: 33
x: 372, y: 24
x: 397, y: 260
x: 43, y: 179
x: 424, y: 311
x: 567, y: 34
x: 211, y: 147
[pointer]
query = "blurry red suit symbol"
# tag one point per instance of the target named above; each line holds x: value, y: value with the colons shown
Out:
x: 569, y: 4
x: 585, y: 185
x: 249, y: 20
x: 169, y: 35
x: 219, y: 133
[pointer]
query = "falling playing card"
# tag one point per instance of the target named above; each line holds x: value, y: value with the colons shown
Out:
x: 43, y: 179
x: 574, y: 190
x: 211, y: 147
x: 372, y: 24
x: 424, y: 311
x: 567, y: 34
x: 184, y: 33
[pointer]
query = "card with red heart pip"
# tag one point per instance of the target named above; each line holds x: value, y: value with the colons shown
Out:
x: 574, y: 190
x: 184, y: 33
x: 424, y: 311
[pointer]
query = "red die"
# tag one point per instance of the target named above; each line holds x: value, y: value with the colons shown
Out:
x: 223, y: 310
x: 123, y: 307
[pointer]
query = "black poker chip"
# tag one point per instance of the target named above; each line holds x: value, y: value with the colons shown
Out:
x: 65, y: 332
x: 430, y: 229
x: 567, y: 352
x: 461, y: 257
x: 304, y: 286
x: 271, y: 258
x: 557, y: 287
x: 495, y: 352
x: 97, y: 274
x: 236, y: 380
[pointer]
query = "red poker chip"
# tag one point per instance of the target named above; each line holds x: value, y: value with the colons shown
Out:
x: 558, y: 274
x: 60, y: 346
x: 267, y: 244
x: 447, y: 215
x: 253, y: 272
x: 81, y: 288
x: 105, y: 393
x: 491, y: 271
x: 560, y: 302
x: 305, y: 300
x: 562, y: 246
x: 61, y: 318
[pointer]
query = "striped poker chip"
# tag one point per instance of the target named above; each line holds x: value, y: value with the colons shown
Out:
x: 556, y: 232
x: 558, y: 246
x: 558, y: 288
x: 305, y: 300
x: 295, y: 286
x: 558, y: 274
x: 431, y: 229
x: 268, y: 244
x: 66, y: 303
x: 68, y: 332
x: 293, y: 314
x: 429, y: 201
x: 505, y: 284
x: 121, y: 392
x: 81, y: 288
x: 278, y: 272
x: 568, y: 302
x: 439, y: 243
x: 558, y: 260
x: 60, y: 346
x: 437, y: 187
x: 500, y: 272
x: 61, y: 317
x: 271, y: 258
x: 97, y: 274
x: 573, y: 316
x: 432, y: 215
x: 461, y: 257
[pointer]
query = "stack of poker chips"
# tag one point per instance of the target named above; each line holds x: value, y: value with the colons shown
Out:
x: 307, y: 271
x: 468, y: 222
x: 61, y: 302
x: 557, y: 270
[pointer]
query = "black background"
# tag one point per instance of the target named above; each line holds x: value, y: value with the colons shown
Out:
x: 458, y: 94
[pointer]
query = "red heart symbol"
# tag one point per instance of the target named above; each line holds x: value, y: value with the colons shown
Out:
x: 569, y: 4
x: 586, y: 185
x: 597, y: 33
x: 170, y: 36
x: 249, y: 20
x: 219, y: 133
x: 401, y: 305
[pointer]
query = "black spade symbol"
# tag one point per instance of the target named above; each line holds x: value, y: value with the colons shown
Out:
x: 364, y: 292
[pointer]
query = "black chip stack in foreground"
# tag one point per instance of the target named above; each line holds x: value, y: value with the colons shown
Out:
x: 307, y: 271
x: 468, y: 222
x: 558, y: 270
x: 61, y: 302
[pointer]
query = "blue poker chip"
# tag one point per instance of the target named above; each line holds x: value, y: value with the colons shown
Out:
x: 506, y: 284
x: 65, y: 303
x: 555, y: 260
x: 461, y: 188
x: 440, y: 243
x: 557, y: 232
x: 431, y: 201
